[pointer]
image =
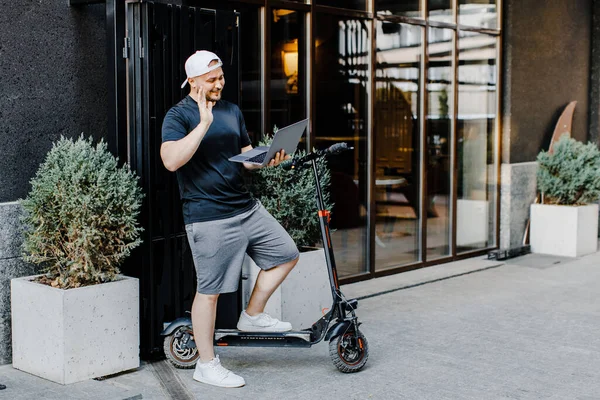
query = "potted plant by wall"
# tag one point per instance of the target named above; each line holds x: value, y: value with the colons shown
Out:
x: 80, y: 319
x: 290, y: 198
x: 566, y: 221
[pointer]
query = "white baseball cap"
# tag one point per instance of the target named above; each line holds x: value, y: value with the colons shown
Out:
x: 198, y: 64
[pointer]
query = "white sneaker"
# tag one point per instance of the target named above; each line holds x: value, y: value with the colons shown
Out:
x: 262, y: 323
x: 213, y: 373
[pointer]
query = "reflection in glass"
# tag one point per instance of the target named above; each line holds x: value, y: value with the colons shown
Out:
x: 396, y: 140
x: 350, y: 4
x: 440, y: 10
x: 288, y: 82
x: 440, y: 78
x: 250, y: 100
x: 479, y: 13
x: 406, y: 8
x: 477, y: 99
x: 341, y: 83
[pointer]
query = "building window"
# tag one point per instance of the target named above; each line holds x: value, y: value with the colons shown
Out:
x: 440, y: 109
x: 407, y: 8
x: 452, y: 206
x: 478, y: 13
x: 341, y: 69
x: 477, y: 164
x: 350, y: 4
x: 396, y: 122
x: 441, y: 11
x: 288, y: 72
x: 430, y: 191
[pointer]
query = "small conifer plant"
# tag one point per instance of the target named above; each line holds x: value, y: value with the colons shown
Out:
x: 80, y: 220
x: 571, y: 174
x: 290, y: 197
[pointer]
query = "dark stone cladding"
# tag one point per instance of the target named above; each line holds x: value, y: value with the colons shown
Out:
x: 595, y: 76
x: 546, y: 65
x: 53, y: 78
x: 11, y: 266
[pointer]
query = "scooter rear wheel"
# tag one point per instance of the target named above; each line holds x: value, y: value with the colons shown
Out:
x: 349, y: 351
x: 175, y: 351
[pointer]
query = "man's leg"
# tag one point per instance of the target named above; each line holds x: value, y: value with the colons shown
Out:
x: 208, y: 368
x: 204, y: 313
x: 216, y: 272
x: 274, y: 251
x: 266, y: 283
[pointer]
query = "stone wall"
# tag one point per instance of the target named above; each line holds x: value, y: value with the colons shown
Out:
x: 53, y: 78
x: 547, y: 60
x: 546, y: 65
x: 11, y: 266
x: 517, y: 193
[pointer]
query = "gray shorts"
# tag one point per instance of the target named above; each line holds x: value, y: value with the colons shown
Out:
x: 218, y: 248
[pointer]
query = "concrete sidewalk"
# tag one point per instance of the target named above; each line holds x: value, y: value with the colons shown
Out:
x: 475, y: 329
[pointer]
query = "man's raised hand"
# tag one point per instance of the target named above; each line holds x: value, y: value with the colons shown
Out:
x: 205, y: 108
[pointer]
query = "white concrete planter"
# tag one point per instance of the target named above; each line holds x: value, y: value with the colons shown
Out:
x: 68, y: 336
x: 472, y: 222
x: 569, y: 231
x: 302, y: 296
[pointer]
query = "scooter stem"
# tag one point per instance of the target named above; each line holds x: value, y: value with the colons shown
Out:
x: 324, y: 217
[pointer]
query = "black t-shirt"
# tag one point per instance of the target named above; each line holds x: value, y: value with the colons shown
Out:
x: 211, y: 186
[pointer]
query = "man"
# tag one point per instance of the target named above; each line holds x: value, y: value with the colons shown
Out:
x: 222, y: 220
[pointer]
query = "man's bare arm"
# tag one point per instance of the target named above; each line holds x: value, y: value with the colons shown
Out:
x: 176, y: 154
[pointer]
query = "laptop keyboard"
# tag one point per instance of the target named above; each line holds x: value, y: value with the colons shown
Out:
x: 259, y: 158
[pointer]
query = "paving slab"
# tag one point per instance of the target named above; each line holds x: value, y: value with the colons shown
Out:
x: 524, y: 329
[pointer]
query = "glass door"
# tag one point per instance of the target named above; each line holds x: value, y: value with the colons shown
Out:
x: 396, y: 139
x: 440, y: 110
x: 477, y: 164
x: 341, y: 68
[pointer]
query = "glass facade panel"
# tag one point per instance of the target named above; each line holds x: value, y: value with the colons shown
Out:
x: 350, y: 4
x: 341, y: 69
x: 477, y: 164
x: 339, y: 114
x: 478, y: 13
x: 407, y: 8
x: 396, y: 140
x: 440, y: 109
x: 250, y: 82
x: 288, y: 71
x: 440, y: 10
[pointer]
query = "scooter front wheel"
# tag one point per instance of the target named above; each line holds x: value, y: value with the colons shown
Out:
x: 349, y: 351
x: 177, y: 351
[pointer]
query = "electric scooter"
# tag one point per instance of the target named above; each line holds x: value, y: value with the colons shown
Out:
x: 348, y: 347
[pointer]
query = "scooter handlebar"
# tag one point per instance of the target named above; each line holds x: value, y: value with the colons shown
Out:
x: 300, y: 162
x: 337, y: 148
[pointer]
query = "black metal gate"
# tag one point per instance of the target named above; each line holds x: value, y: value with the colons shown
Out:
x: 159, y: 38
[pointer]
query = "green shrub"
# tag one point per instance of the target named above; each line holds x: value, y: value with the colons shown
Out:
x: 290, y: 197
x: 80, y: 218
x: 571, y: 175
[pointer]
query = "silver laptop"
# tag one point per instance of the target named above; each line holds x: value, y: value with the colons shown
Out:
x: 285, y: 139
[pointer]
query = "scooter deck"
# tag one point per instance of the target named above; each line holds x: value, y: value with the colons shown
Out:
x: 234, y: 337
